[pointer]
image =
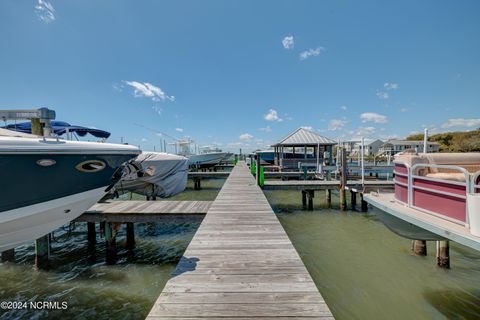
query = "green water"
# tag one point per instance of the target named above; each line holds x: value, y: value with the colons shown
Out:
x: 363, y: 270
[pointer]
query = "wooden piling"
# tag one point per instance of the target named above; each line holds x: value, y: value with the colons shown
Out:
x: 310, y: 196
x: 443, y: 254
x: 343, y: 181
x: 197, y: 184
x: 42, y: 252
x: 304, y: 199
x: 111, y: 244
x: 328, y: 197
x: 419, y: 247
x: 130, y: 236
x: 91, y: 234
x: 363, y: 204
x: 8, y: 255
x: 353, y: 199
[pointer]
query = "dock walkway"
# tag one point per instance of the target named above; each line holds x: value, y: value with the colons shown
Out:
x: 240, y: 264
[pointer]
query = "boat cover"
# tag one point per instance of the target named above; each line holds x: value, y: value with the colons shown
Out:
x: 155, y: 174
x: 59, y: 128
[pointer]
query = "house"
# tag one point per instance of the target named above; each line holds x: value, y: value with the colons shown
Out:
x: 393, y: 147
x: 370, y: 147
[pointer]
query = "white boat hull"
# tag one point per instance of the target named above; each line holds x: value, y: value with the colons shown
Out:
x: 23, y: 225
x: 207, y: 159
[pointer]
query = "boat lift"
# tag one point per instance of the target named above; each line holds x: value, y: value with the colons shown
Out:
x: 40, y: 118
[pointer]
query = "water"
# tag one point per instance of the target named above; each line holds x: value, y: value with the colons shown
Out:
x: 363, y: 270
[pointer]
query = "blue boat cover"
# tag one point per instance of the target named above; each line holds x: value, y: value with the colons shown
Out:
x: 60, y: 128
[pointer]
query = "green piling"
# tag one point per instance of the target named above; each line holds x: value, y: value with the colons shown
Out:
x: 261, y: 181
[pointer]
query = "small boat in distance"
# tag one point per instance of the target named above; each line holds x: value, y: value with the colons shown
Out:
x: 205, y: 158
x: 155, y: 174
x: 48, y: 182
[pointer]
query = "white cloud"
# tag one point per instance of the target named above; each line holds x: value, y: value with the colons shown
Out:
x: 272, y: 115
x: 365, y: 131
x: 246, y: 137
x: 179, y: 129
x: 266, y: 129
x: 336, y: 124
x: 382, y: 95
x: 158, y: 110
x: 288, y: 42
x: 311, y: 53
x: 344, y: 108
x: 461, y: 122
x: 374, y: 117
x: 144, y: 140
x: 146, y: 89
x: 45, y: 11
x: 391, y: 86
x: 307, y: 127
x: 403, y: 109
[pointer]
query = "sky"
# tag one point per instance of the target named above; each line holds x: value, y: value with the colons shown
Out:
x: 244, y: 74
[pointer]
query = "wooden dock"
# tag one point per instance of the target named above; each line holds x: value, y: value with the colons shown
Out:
x: 240, y: 264
x: 145, y: 211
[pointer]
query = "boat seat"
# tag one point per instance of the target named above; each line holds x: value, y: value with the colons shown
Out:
x: 452, y: 176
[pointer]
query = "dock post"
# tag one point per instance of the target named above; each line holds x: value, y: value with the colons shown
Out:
x: 257, y: 169
x: 310, y: 196
x: 197, y: 184
x: 304, y: 199
x: 111, y: 244
x: 8, y: 255
x: 343, y: 181
x: 91, y: 234
x: 364, y: 204
x: 328, y: 197
x: 42, y: 252
x: 353, y: 199
x: 443, y: 254
x: 130, y: 236
x: 419, y: 247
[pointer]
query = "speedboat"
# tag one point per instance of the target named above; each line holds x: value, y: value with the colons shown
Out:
x: 48, y: 182
x: 155, y: 174
x: 208, y: 159
x: 205, y: 158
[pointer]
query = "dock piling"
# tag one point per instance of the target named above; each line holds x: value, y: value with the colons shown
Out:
x: 111, y: 243
x: 8, y: 255
x: 304, y: 199
x: 443, y: 254
x: 353, y: 199
x: 328, y: 197
x: 419, y: 247
x: 364, y: 204
x: 343, y: 181
x: 130, y: 236
x: 42, y: 252
x: 91, y: 235
x: 310, y: 196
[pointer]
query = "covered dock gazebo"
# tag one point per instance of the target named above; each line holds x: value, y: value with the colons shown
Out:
x: 303, y: 147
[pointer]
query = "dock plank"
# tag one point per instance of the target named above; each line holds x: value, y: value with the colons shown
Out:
x: 240, y: 264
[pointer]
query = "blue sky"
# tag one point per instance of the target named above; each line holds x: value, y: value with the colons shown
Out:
x: 244, y: 73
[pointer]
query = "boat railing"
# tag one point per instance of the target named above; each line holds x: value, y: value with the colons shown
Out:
x: 476, y: 183
x: 437, y: 196
x: 440, y: 197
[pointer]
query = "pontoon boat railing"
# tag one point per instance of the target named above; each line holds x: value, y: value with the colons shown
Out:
x: 475, y: 184
x: 469, y: 187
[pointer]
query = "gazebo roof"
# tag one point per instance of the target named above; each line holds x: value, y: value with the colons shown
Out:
x: 304, y: 137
